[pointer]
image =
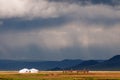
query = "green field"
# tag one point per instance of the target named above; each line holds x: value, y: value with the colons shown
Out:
x: 59, y: 75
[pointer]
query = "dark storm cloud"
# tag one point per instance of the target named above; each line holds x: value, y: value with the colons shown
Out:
x: 26, y: 25
x: 50, y: 30
x: 88, y: 2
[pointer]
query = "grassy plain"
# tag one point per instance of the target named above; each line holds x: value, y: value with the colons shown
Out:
x: 59, y: 75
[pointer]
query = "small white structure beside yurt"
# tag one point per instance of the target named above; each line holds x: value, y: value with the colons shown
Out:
x: 25, y: 70
x: 33, y: 70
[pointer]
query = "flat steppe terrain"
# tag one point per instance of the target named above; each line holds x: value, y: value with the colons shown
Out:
x: 59, y: 75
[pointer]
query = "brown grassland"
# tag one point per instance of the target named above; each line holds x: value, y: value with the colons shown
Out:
x: 59, y: 75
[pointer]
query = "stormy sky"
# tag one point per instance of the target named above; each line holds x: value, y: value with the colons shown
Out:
x: 59, y: 29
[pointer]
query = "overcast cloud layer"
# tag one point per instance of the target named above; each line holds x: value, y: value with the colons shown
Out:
x: 50, y: 30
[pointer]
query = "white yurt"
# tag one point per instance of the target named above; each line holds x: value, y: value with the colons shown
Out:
x: 33, y: 70
x: 25, y: 70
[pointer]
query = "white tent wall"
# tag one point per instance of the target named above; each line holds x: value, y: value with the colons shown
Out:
x: 33, y: 70
x: 25, y: 70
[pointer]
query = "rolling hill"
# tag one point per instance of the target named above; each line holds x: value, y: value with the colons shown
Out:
x: 41, y: 65
x: 78, y: 64
x: 110, y: 64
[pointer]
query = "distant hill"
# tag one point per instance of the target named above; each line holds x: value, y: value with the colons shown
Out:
x: 84, y: 65
x: 110, y: 64
x: 68, y: 63
x: 115, y: 58
x: 16, y: 65
x: 41, y: 65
